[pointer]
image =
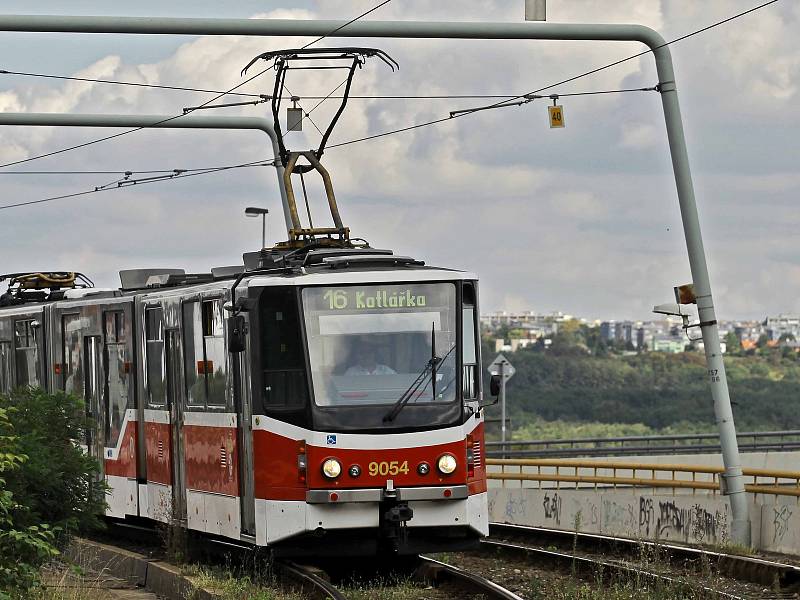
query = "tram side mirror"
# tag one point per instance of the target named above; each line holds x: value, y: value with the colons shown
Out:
x: 236, y: 334
x: 494, y: 390
x: 494, y: 385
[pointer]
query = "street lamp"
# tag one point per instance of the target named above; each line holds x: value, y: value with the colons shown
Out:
x: 254, y: 211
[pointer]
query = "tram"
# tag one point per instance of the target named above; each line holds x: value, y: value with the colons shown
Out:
x: 329, y: 401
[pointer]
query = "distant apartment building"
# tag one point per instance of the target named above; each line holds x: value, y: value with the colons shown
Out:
x: 782, y: 325
x: 522, y: 319
x: 663, y: 335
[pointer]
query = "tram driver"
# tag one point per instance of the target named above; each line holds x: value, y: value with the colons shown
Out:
x: 364, y: 361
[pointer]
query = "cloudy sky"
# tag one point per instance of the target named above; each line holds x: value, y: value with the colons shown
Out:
x: 583, y: 219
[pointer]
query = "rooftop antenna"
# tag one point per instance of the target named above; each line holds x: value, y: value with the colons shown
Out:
x: 347, y: 59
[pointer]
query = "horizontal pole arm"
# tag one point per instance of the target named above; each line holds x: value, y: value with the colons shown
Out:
x: 315, y: 27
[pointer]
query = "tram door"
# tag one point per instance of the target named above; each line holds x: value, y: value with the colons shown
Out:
x: 93, y: 393
x: 174, y: 357
x: 244, y: 414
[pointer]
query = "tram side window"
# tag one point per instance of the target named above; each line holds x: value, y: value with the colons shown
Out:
x: 27, y: 353
x: 72, y: 364
x: 118, y: 368
x: 205, y: 353
x: 284, y: 383
x: 5, y: 367
x: 468, y: 344
x: 154, y: 353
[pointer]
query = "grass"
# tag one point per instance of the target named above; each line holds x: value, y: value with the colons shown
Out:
x: 387, y: 590
x: 230, y: 586
x: 61, y: 581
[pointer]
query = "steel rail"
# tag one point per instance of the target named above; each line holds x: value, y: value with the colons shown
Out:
x: 309, y: 579
x: 597, y: 567
x: 744, y: 568
x: 442, y: 573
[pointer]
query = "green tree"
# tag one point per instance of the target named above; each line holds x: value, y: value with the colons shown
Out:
x: 732, y: 343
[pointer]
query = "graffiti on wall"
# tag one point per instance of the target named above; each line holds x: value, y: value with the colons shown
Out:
x: 645, y: 515
x: 552, y: 507
x: 693, y: 523
x: 516, y: 506
x: 619, y: 516
x: 780, y: 520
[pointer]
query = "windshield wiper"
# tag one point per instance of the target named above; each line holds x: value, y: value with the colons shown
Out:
x: 430, y: 368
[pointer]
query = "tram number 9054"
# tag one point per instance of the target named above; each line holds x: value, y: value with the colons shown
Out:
x: 393, y: 467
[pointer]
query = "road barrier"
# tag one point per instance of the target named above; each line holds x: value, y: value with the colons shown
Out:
x: 615, y: 474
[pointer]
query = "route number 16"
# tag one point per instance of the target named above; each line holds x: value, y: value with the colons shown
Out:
x: 337, y: 299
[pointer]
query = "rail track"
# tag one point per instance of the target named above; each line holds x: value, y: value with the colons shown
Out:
x: 596, y: 559
x: 312, y: 581
x: 712, y: 574
x: 462, y: 583
x: 330, y: 580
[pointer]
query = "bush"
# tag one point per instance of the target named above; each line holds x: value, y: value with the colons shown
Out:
x: 59, y: 481
x: 23, y: 548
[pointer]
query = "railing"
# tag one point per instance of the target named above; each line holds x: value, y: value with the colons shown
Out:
x: 593, y: 474
x: 688, y: 443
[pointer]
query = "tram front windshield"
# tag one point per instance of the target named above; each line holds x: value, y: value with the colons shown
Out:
x: 373, y: 344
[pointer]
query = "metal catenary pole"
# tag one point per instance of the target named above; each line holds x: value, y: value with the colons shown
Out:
x: 160, y: 122
x: 740, y: 526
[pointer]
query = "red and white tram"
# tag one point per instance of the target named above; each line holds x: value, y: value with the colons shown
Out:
x: 324, y: 401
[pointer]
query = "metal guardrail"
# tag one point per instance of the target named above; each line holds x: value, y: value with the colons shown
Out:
x: 606, y: 474
x: 687, y: 443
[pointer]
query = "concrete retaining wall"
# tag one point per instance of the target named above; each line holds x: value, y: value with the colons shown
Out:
x: 699, y: 519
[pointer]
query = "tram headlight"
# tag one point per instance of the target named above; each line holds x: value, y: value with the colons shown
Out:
x: 423, y: 468
x: 355, y: 471
x: 331, y: 468
x: 446, y: 464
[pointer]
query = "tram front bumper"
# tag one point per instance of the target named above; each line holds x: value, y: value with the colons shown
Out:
x: 453, y: 492
x: 336, y: 510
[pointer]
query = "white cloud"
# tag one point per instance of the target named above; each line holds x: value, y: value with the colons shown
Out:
x: 583, y: 220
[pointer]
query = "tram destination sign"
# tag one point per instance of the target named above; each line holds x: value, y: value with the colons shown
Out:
x: 508, y: 368
x: 381, y: 297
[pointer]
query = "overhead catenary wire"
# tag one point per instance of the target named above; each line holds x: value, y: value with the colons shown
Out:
x: 267, y: 97
x: 555, y: 96
x: 552, y: 85
x: 350, y: 22
x: 448, y: 118
x: 129, y: 83
x: 178, y: 116
x: 128, y: 131
x: 121, y: 171
x: 111, y: 186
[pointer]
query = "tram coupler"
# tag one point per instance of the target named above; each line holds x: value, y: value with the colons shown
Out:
x: 393, y: 526
x: 398, y: 515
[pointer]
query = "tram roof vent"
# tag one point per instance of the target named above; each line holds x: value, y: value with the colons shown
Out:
x: 76, y: 294
x: 360, y: 260
x: 175, y: 279
x: 315, y: 257
x: 137, y: 279
x: 226, y: 272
